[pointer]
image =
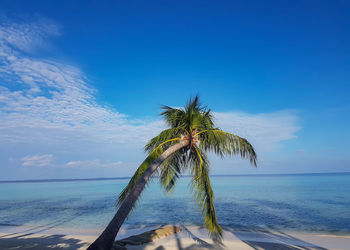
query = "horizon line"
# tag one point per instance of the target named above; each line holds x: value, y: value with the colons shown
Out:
x: 185, y: 176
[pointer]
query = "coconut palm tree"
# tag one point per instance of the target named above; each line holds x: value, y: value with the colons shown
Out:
x: 183, y: 146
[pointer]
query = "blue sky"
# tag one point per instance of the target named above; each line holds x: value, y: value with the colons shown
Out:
x: 81, y: 83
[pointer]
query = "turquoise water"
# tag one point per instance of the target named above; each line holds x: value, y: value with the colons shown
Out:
x: 319, y: 202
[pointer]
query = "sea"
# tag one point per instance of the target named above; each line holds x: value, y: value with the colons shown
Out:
x: 317, y: 203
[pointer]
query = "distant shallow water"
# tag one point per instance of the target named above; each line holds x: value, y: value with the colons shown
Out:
x: 318, y: 203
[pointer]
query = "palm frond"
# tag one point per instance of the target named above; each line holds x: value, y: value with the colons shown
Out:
x: 193, y: 116
x: 194, y: 104
x: 163, y: 136
x: 204, y: 194
x: 224, y: 143
x: 175, y: 118
x: 171, y: 170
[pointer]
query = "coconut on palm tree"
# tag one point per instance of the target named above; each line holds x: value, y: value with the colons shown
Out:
x: 183, y: 146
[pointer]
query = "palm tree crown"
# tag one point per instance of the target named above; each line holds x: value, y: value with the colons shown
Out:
x: 194, y: 124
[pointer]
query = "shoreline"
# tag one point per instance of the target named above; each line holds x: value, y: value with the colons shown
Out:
x: 191, y: 237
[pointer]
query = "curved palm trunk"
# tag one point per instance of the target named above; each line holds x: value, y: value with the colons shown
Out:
x: 106, y: 239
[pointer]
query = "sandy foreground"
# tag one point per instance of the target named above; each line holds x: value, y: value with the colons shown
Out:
x: 36, y: 238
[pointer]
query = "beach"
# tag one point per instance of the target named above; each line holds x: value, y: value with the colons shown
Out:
x: 189, y: 238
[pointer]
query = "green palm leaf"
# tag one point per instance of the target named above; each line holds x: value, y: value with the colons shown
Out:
x: 226, y: 144
x: 204, y: 194
x: 171, y: 170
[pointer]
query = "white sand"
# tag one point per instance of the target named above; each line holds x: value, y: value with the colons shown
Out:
x: 189, y: 238
x: 196, y: 238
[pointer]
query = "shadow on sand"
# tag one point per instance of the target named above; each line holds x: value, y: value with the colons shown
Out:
x: 256, y: 239
x: 264, y: 239
x: 38, y: 229
x: 140, y: 240
x: 28, y: 239
x: 44, y: 242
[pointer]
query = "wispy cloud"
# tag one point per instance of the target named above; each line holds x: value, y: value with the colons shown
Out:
x: 40, y: 93
x: 37, y: 160
x: 93, y: 164
x: 52, y: 106
x: 264, y: 130
x: 26, y: 36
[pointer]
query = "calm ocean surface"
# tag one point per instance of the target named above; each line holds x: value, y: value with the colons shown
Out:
x: 315, y: 202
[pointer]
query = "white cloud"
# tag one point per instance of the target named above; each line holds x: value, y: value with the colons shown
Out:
x: 47, y: 94
x: 51, y: 105
x: 26, y: 36
x: 93, y: 164
x: 37, y: 160
x: 264, y: 130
